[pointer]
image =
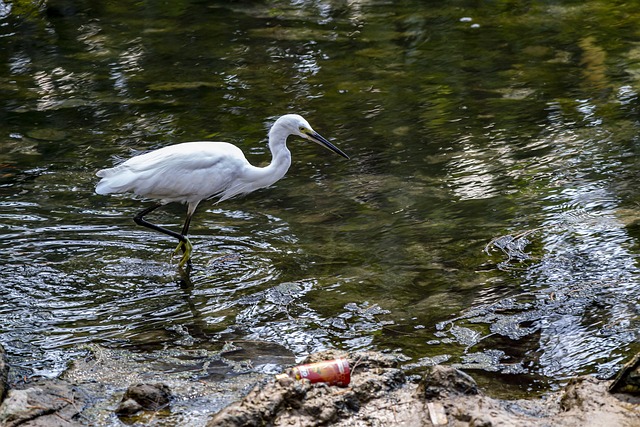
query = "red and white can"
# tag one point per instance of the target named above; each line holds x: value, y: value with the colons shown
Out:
x: 332, y: 372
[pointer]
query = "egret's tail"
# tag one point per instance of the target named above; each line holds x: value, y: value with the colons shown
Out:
x: 114, y: 180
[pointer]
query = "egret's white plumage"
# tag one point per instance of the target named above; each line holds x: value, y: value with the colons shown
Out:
x: 194, y: 171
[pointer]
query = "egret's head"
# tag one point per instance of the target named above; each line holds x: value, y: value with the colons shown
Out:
x: 297, y: 125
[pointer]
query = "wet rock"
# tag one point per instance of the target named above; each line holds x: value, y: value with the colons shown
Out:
x: 261, y: 405
x: 128, y: 407
x: 628, y: 379
x: 440, y: 381
x: 4, y: 372
x: 148, y: 397
x: 50, y: 404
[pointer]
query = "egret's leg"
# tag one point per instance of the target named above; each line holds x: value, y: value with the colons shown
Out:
x: 185, y: 244
x: 187, y: 222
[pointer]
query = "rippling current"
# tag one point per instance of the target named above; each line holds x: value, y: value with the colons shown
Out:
x: 488, y: 217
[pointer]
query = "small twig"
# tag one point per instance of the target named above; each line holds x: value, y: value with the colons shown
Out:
x: 355, y: 365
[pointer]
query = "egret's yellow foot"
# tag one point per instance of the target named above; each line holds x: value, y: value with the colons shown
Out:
x: 185, y: 247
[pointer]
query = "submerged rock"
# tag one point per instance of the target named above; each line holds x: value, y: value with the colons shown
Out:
x: 148, y: 397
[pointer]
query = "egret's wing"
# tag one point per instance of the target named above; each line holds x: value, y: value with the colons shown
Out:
x: 182, y: 173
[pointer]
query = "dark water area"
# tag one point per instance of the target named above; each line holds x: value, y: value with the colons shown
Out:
x: 489, y: 216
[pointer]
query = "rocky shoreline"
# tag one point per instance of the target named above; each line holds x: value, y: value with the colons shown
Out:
x: 111, y: 388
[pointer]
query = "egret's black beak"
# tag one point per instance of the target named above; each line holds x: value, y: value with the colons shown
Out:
x: 316, y: 137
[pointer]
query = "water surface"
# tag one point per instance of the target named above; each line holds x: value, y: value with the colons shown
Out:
x: 488, y: 217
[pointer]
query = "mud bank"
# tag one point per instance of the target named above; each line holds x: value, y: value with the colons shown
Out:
x: 381, y: 395
x: 115, y: 388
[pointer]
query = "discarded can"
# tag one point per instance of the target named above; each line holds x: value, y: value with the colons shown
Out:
x: 332, y: 372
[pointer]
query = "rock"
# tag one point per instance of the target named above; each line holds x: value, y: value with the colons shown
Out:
x: 261, y: 405
x: 440, y: 381
x: 628, y: 379
x: 128, y: 407
x: 374, y: 377
x: 4, y: 372
x: 50, y: 404
x: 47, y: 134
x: 149, y: 397
x: 584, y: 401
x: 380, y: 394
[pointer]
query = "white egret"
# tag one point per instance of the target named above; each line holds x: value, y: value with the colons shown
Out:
x: 195, y: 171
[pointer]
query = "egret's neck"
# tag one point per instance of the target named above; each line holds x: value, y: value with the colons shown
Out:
x: 280, y: 154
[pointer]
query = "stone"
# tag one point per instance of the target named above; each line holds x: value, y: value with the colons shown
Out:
x: 50, y: 404
x: 149, y: 397
x: 628, y: 378
x: 441, y: 380
x: 4, y: 372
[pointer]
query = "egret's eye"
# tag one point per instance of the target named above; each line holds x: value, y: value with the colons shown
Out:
x: 302, y: 129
